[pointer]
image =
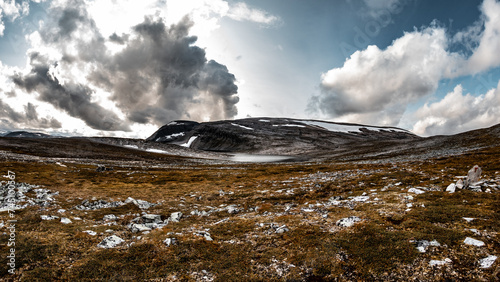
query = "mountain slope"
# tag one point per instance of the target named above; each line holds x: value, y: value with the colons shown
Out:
x: 274, y: 135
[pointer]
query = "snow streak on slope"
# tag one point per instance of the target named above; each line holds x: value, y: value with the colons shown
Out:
x: 244, y: 127
x: 189, y: 142
x: 347, y: 128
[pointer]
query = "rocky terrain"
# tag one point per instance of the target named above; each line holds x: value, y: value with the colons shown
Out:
x: 366, y: 203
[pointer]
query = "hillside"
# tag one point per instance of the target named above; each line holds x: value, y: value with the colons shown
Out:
x: 274, y: 135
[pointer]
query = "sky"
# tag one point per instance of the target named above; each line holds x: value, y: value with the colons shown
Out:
x: 125, y: 68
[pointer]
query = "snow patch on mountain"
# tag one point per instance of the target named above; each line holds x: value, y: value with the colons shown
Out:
x: 131, y: 146
x: 152, y: 150
x: 170, y: 137
x: 242, y: 126
x: 348, y: 128
x: 289, y: 125
x: 189, y: 142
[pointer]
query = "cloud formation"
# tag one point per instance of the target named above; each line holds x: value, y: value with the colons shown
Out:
x: 150, y: 74
x: 242, y: 12
x: 458, y: 112
x: 376, y: 86
x: 385, y: 81
x: 10, y: 119
x: 74, y: 99
x: 485, y: 56
x: 160, y: 75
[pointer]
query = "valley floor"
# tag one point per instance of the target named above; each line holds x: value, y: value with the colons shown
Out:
x: 185, y: 220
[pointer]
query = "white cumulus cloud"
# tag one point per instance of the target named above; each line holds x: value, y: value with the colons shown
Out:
x: 458, y: 112
x: 376, y: 86
x: 242, y: 12
x: 487, y: 55
x: 384, y: 81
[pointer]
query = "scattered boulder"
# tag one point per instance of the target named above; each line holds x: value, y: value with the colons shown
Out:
x: 136, y: 227
x: 48, y: 217
x: 151, y: 218
x: 66, y: 220
x: 460, y: 184
x: 487, y: 262
x: 416, y: 191
x: 348, y: 221
x: 110, y: 242
x: 170, y: 241
x: 12, y: 196
x: 146, y: 222
x: 102, y: 168
x: 473, y: 242
x: 110, y: 217
x: 360, y: 199
x: 176, y: 216
x: 90, y: 232
x: 205, y: 235
x: 98, y: 204
x: 451, y: 188
x: 473, y: 176
x: 143, y: 205
x: 422, y: 245
x: 282, y: 229
x: 440, y: 262
x: 232, y: 209
x: 199, y: 213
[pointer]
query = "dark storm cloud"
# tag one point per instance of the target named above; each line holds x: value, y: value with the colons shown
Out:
x: 74, y: 99
x: 118, y: 39
x: 7, y: 112
x: 217, y: 80
x: 158, y: 76
x: 161, y: 64
x: 12, y: 119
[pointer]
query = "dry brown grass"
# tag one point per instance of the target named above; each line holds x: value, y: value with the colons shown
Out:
x: 242, y: 249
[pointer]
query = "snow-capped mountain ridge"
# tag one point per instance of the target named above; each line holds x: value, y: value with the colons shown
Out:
x: 272, y: 135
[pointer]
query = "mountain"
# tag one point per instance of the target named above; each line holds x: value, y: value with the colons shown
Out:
x: 26, y: 134
x: 275, y: 135
x: 240, y: 140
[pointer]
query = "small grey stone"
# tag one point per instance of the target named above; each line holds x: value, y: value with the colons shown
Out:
x: 110, y: 242
x: 440, y: 262
x: 65, y: 220
x: 136, y: 227
x: 176, y: 216
x: 348, y: 221
x: 151, y: 218
x: 48, y: 217
x: 473, y: 242
x: 451, y: 188
x: 422, y: 245
x: 232, y: 209
x: 109, y: 217
x: 170, y: 241
x: 282, y: 229
x: 416, y: 191
x: 488, y: 261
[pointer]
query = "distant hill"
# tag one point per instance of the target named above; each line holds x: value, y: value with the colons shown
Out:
x: 311, y: 140
x: 26, y: 134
